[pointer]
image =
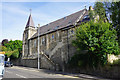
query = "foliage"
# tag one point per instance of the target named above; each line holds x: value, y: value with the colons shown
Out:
x: 4, y: 42
x: 9, y: 53
x: 115, y: 17
x: 92, y: 14
x: 100, y: 10
x: 3, y: 48
x: 113, y: 9
x: 14, y: 54
x: 12, y: 45
x: 79, y: 60
x: 99, y: 39
x: 12, y: 48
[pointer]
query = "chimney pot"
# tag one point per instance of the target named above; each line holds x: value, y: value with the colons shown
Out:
x: 90, y: 8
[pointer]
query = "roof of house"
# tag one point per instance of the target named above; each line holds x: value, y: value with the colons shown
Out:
x: 30, y: 22
x: 62, y: 23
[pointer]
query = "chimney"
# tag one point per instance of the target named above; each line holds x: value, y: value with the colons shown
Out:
x: 90, y: 8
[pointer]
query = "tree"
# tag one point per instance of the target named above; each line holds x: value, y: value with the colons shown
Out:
x: 92, y: 14
x: 12, y: 45
x: 99, y: 39
x: 113, y: 12
x: 4, y: 41
x: 3, y: 48
x: 115, y: 17
x: 100, y: 10
x: 14, y: 48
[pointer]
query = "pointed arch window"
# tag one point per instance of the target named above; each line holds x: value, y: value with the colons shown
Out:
x: 52, y: 36
x: 35, y: 43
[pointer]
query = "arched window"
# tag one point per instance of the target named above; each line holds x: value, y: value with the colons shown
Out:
x: 34, y: 43
x: 52, y: 36
x: 43, y: 40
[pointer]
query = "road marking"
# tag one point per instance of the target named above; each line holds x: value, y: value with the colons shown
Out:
x: 16, y: 74
x: 21, y: 76
x: 67, y: 76
x: 19, y: 68
x: 33, y: 70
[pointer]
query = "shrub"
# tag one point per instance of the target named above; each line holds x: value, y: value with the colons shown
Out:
x: 99, y: 39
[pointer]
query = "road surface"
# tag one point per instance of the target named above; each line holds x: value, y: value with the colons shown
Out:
x: 27, y: 73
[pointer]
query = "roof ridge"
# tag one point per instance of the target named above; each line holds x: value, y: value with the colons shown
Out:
x: 63, y: 17
x: 61, y: 23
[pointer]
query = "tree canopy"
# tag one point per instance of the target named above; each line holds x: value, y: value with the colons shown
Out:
x: 100, y: 10
x: 114, y: 9
x: 113, y: 14
x: 99, y: 39
x: 12, y: 45
x: 12, y: 48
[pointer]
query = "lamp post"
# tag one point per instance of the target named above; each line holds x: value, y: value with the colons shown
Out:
x: 38, y: 48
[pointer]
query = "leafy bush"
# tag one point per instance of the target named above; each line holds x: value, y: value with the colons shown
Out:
x: 14, y: 54
x: 3, y: 48
x: 8, y: 53
x: 99, y: 39
x: 12, y: 45
x: 79, y: 60
x: 12, y: 48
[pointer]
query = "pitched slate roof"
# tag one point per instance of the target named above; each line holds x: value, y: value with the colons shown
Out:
x: 61, y: 23
x: 30, y: 22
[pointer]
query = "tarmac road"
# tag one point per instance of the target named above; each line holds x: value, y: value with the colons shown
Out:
x: 18, y: 72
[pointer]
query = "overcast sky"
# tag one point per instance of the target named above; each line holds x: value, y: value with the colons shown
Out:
x: 15, y: 15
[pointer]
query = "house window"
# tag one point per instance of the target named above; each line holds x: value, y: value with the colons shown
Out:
x: 35, y: 43
x: 43, y: 40
x: 57, y: 34
x: 26, y: 36
x: 52, y: 36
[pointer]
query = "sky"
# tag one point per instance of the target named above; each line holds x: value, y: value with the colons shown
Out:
x: 15, y: 15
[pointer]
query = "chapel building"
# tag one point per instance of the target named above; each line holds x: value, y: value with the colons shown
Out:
x: 55, y: 41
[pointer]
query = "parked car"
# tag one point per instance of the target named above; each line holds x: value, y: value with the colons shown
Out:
x: 2, y: 69
x: 8, y: 64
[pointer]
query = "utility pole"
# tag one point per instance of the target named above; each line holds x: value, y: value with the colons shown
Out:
x: 38, y: 48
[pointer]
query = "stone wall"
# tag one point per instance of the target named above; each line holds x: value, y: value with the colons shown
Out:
x: 44, y: 63
x: 25, y: 62
x: 109, y: 72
